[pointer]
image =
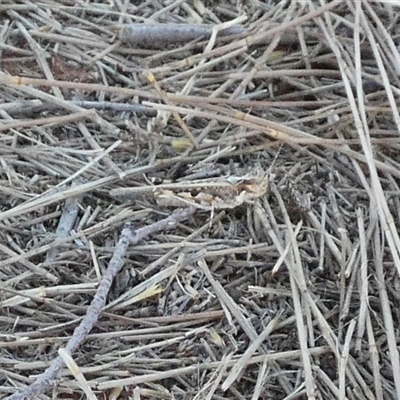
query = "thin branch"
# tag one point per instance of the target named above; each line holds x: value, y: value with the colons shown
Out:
x: 46, y: 380
x: 30, y: 107
x: 65, y: 225
x: 146, y: 35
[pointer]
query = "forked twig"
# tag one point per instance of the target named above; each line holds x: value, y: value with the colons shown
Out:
x: 128, y: 237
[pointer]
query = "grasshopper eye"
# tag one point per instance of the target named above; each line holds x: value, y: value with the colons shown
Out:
x: 194, y: 192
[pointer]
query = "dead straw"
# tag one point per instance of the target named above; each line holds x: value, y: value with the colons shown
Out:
x: 291, y: 290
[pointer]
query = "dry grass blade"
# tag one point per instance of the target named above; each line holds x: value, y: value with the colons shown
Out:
x: 73, y: 367
x: 239, y: 367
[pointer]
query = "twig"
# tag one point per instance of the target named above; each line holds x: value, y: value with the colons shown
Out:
x: 44, y: 381
x: 145, y: 35
x: 66, y: 223
x: 31, y: 107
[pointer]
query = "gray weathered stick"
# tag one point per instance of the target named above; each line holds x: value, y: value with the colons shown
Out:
x: 145, y: 35
x: 66, y: 223
x: 44, y: 381
x: 30, y: 107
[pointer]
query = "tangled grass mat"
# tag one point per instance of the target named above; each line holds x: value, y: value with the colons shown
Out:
x: 199, y: 200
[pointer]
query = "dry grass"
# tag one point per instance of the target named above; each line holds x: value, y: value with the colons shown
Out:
x: 289, y: 294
